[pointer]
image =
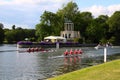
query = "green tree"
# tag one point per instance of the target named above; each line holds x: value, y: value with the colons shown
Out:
x: 97, y: 26
x: 1, y: 33
x: 92, y: 32
x: 49, y: 25
x: 85, y: 21
x: 102, y: 22
x: 69, y: 11
x: 19, y: 34
x: 13, y: 27
x: 29, y: 33
x: 114, y: 25
x: 9, y: 36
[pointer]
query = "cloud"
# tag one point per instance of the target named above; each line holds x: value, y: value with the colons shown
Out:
x: 33, y: 4
x: 26, y: 12
x: 97, y: 10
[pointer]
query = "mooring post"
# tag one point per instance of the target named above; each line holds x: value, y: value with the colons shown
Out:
x: 105, y: 54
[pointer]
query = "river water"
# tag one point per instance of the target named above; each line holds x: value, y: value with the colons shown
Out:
x: 16, y: 65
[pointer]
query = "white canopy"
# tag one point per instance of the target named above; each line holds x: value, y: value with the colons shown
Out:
x: 56, y: 38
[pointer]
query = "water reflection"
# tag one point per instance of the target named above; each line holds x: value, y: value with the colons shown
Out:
x: 71, y: 63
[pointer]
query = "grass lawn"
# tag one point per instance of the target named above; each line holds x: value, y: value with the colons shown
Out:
x: 105, y: 71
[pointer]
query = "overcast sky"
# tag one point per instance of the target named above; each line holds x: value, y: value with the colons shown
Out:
x: 26, y: 13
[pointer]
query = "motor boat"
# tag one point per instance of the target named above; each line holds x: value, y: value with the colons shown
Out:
x: 102, y: 46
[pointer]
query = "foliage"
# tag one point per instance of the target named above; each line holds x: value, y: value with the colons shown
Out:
x: 112, y: 39
x: 114, y: 21
x: 76, y: 39
x: 49, y: 25
x: 97, y: 26
x: 1, y: 33
x: 19, y: 34
x: 114, y: 25
x: 9, y: 36
x: 69, y: 11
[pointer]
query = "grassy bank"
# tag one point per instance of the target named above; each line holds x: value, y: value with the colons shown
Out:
x: 105, y: 71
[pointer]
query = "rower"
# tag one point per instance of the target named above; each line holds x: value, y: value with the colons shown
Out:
x: 80, y: 51
x: 29, y: 50
x: 75, y: 51
x: 71, y: 52
x: 66, y: 53
x: 41, y: 49
x: 36, y: 49
x: 32, y: 49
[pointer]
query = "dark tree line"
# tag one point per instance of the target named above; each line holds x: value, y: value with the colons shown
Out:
x: 1, y: 33
x: 16, y: 34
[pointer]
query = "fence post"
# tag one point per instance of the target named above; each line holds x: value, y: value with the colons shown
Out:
x: 105, y: 54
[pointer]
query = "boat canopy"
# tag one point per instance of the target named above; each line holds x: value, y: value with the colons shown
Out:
x: 55, y: 38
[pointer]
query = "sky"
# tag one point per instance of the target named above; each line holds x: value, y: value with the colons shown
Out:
x: 26, y: 13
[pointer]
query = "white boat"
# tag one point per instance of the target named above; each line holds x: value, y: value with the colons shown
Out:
x: 102, y: 46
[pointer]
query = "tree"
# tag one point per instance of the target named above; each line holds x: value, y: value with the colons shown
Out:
x: 92, y: 32
x: 9, y: 36
x: 68, y: 11
x: 1, y: 33
x: 1, y: 25
x: 13, y: 27
x: 114, y: 25
x: 49, y: 25
x: 102, y: 22
x: 86, y: 20
x: 41, y: 32
x: 29, y: 33
x: 98, y: 26
x: 19, y: 34
x: 114, y: 21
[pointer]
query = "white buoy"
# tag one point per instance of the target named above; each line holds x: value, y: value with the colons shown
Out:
x: 57, y: 45
x: 105, y: 54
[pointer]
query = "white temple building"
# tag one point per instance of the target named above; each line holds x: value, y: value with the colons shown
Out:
x: 69, y: 32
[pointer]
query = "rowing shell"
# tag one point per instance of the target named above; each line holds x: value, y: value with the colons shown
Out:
x: 68, y: 56
x: 22, y: 51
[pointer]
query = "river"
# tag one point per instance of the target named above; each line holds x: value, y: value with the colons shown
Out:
x: 16, y: 65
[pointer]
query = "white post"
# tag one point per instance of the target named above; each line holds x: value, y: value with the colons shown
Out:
x: 57, y: 45
x: 105, y: 54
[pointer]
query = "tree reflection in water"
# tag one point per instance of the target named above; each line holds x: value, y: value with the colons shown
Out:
x: 70, y: 64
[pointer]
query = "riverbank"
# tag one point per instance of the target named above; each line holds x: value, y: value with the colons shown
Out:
x: 105, y: 71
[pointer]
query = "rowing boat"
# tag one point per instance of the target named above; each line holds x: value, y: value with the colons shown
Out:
x: 42, y: 51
